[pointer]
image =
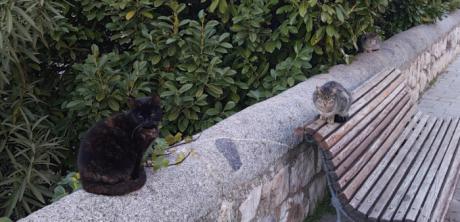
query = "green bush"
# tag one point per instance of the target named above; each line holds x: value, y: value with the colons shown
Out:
x: 68, y: 63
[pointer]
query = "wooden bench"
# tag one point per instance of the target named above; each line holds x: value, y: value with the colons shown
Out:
x: 389, y: 162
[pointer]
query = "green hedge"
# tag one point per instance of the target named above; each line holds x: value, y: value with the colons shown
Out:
x: 67, y: 63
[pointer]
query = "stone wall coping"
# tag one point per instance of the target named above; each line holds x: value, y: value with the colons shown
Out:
x: 239, y: 149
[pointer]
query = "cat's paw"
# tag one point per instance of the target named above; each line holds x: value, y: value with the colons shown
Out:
x: 330, y: 120
x: 321, y: 117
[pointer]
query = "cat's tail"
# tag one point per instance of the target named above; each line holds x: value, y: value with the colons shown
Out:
x: 340, y: 119
x: 117, y: 188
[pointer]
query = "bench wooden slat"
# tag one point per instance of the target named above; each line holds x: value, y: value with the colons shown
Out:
x: 370, y: 179
x: 332, y: 139
x: 361, y: 155
x: 415, y: 208
x: 364, y: 137
x: 367, y: 123
x: 424, y: 155
x: 376, y: 90
x: 371, y: 82
x: 399, y: 170
x: 422, y: 172
x: 382, y: 174
x: 449, y: 187
x: 378, y: 149
x: 320, y: 130
x: 440, y: 179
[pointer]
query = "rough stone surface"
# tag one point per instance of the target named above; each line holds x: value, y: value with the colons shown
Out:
x: 259, y: 148
x: 293, y: 209
x: 249, y: 207
x: 226, y: 213
x: 303, y: 170
x: 279, y: 187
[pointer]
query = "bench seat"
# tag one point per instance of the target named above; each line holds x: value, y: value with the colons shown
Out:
x: 389, y: 162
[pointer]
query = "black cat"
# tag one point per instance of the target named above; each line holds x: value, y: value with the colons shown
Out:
x: 110, y: 155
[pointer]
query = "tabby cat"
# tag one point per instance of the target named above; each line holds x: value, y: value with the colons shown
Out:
x: 333, y: 102
x: 111, y: 152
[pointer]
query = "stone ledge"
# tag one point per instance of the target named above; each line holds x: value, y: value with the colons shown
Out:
x: 250, y: 165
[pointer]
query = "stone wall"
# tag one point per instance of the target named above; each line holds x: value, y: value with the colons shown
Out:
x: 431, y: 62
x: 288, y: 191
x: 250, y: 166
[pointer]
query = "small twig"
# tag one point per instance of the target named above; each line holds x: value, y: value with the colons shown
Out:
x: 182, y: 143
x: 179, y: 162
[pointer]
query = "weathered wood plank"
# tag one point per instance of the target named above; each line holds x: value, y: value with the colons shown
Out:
x: 372, y: 82
x: 396, y: 172
x: 375, y: 91
x: 423, y: 192
x: 332, y: 138
x: 369, y: 181
x: 357, y: 160
x: 411, y: 193
x: 440, y: 179
x: 395, y: 137
x: 362, y: 140
x: 368, y: 122
x: 380, y: 177
x: 449, y: 188
x: 421, y: 158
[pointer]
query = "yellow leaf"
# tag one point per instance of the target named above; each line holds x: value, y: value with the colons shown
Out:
x: 147, y: 14
x: 170, y: 139
x: 178, y: 137
x: 180, y: 157
x: 130, y: 14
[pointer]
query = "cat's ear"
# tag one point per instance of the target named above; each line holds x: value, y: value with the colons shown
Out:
x: 318, y: 89
x: 334, y: 91
x: 156, y: 99
x: 132, y: 102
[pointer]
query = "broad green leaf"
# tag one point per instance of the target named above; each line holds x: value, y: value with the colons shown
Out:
x: 5, y: 219
x: 214, y: 90
x: 73, y: 103
x: 100, y: 96
x: 183, y: 124
x: 223, y: 6
x: 213, y: 5
x: 319, y: 34
x: 303, y: 8
x: 113, y: 104
x: 185, y: 88
x: 339, y: 14
x: 212, y: 112
x: 229, y: 106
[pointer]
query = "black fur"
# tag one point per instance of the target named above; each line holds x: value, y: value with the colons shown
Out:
x: 110, y: 155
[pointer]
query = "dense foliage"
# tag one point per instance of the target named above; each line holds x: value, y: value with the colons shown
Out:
x: 68, y: 63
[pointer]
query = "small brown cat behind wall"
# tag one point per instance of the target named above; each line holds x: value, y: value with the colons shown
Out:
x: 110, y: 155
